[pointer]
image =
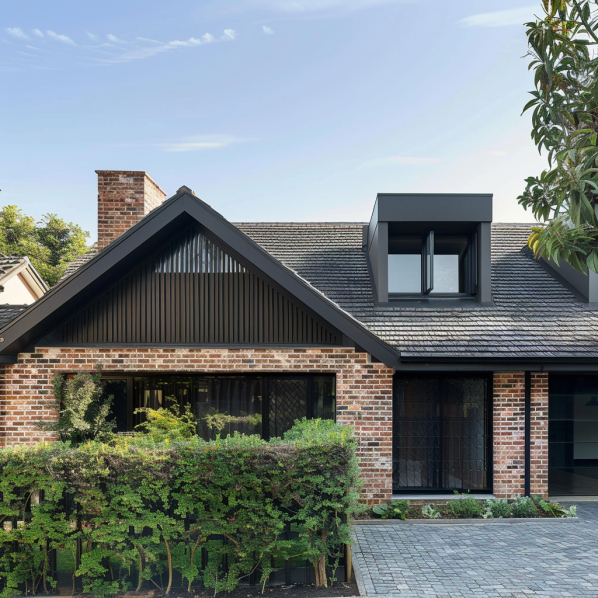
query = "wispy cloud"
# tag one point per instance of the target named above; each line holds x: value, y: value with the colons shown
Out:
x: 267, y: 30
x: 38, y: 33
x: 501, y: 18
x: 17, y: 32
x: 193, y: 144
x: 61, y: 38
x: 115, y: 39
x: 117, y: 50
x: 398, y: 160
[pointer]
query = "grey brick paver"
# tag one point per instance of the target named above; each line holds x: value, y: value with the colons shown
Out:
x: 485, y: 561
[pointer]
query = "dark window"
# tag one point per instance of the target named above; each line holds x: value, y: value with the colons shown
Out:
x: 119, y: 409
x: 440, y: 433
x: 573, y: 435
x: 266, y: 405
x: 432, y: 264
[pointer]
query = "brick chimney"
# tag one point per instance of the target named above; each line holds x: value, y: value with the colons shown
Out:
x: 124, y: 198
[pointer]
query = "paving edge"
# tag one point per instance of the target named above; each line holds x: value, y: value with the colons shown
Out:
x: 358, y: 576
x: 466, y: 521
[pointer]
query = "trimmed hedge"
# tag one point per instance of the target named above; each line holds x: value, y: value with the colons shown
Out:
x: 135, y: 505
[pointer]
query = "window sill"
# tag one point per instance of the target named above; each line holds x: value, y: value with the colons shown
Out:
x: 433, y: 302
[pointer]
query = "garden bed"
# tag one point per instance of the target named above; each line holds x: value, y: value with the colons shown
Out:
x: 470, y: 509
x: 336, y: 590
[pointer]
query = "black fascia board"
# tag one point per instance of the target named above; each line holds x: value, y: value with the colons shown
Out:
x: 433, y: 207
x: 117, y: 258
x: 499, y: 364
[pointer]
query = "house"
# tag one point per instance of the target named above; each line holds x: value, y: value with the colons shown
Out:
x: 461, y: 361
x: 20, y: 286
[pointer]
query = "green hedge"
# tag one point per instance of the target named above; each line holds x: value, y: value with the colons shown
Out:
x: 150, y: 507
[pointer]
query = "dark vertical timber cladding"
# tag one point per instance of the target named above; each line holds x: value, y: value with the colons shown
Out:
x: 191, y: 292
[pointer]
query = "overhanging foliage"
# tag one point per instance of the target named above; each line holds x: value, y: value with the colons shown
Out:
x: 564, y: 198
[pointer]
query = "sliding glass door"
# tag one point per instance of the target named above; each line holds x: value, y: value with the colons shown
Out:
x: 573, y: 435
x: 441, y: 433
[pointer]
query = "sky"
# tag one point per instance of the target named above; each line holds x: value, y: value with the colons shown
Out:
x: 270, y: 110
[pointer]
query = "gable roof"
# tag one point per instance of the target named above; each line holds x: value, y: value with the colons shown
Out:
x: 118, y: 257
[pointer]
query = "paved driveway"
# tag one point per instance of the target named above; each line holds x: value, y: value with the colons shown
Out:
x: 495, y: 560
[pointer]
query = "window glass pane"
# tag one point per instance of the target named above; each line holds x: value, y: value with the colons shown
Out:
x: 224, y: 405
x: 405, y: 264
x: 446, y: 274
x: 118, y: 411
x: 573, y: 435
x: 449, y: 263
x: 404, y: 273
x: 440, y: 433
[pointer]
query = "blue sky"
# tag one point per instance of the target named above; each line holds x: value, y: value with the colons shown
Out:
x: 271, y: 110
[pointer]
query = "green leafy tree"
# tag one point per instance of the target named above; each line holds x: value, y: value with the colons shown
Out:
x: 564, y: 197
x: 50, y: 244
x: 83, y: 410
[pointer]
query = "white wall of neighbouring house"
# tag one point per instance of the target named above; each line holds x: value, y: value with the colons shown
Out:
x: 17, y: 292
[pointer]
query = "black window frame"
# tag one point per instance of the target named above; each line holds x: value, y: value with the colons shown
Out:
x: 129, y: 379
x: 488, y: 424
x: 427, y: 265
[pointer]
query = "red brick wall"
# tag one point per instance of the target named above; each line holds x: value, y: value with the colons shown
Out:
x: 124, y: 198
x: 539, y: 434
x: 509, y: 434
x: 363, y: 389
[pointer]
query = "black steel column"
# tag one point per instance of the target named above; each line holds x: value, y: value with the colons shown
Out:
x: 528, y: 432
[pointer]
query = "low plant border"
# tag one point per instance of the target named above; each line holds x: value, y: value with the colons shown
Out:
x: 469, y: 508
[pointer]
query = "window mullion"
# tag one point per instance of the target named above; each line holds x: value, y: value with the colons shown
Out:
x: 428, y: 264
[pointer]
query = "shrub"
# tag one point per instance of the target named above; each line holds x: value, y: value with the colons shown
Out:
x: 497, y: 508
x: 465, y: 508
x: 82, y: 410
x: 429, y: 512
x: 551, y: 509
x: 153, y: 507
x: 524, y: 507
x: 396, y: 509
x: 168, y: 423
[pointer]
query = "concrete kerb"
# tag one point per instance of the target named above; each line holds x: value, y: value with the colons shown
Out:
x: 508, y: 520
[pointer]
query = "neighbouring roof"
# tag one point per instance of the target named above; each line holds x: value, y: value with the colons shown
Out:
x: 77, y: 263
x: 8, y: 263
x: 533, y: 315
x: 12, y: 266
x: 8, y: 312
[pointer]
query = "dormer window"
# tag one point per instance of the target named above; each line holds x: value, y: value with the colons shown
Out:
x: 430, y: 249
x: 431, y: 263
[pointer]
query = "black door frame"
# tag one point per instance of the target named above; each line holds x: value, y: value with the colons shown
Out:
x: 488, y: 422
